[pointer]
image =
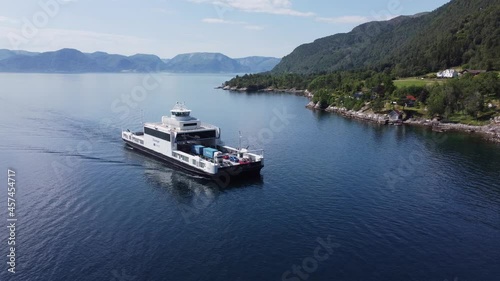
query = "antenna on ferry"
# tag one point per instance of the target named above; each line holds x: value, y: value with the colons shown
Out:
x: 240, y: 139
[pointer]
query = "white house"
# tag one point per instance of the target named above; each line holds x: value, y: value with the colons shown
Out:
x: 448, y: 73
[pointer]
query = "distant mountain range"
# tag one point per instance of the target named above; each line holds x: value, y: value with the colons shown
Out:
x: 216, y: 62
x: 74, y: 61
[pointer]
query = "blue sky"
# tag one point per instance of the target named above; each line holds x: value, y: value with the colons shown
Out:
x: 237, y: 28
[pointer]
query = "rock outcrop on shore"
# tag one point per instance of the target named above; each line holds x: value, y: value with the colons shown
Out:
x: 363, y: 114
x: 490, y: 131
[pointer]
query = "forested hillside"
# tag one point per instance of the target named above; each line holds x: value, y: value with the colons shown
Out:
x: 462, y: 32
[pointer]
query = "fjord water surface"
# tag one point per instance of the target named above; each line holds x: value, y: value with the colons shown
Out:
x: 393, y: 203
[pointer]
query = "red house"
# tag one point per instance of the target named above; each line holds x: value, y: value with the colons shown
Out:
x: 410, y: 101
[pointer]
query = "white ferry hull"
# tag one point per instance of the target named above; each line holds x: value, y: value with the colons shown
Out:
x: 241, y: 171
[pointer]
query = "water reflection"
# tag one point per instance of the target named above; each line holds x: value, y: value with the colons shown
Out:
x: 320, y: 114
x: 180, y: 185
x: 379, y: 132
x: 400, y: 133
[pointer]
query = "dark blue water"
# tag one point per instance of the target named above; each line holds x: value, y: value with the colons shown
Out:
x: 338, y: 199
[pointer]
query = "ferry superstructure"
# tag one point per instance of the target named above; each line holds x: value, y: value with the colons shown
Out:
x: 195, y: 146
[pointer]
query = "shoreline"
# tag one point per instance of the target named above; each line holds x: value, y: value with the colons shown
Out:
x: 304, y: 93
x: 490, y: 132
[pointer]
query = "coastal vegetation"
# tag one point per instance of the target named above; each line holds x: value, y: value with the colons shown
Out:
x: 466, y: 99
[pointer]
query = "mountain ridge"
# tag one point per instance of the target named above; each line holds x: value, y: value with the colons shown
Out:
x: 204, y: 62
x: 74, y: 61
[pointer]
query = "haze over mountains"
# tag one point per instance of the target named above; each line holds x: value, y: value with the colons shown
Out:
x: 74, y: 61
x: 207, y: 62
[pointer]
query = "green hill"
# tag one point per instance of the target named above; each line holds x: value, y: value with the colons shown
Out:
x: 462, y: 32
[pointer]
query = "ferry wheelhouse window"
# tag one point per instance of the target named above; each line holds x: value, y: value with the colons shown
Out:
x: 180, y: 114
x: 196, y: 135
x: 157, y: 134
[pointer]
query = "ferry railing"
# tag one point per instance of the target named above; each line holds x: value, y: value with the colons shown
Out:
x: 258, y: 152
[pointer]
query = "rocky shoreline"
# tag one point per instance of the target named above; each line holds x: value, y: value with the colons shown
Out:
x: 304, y: 93
x: 490, y: 132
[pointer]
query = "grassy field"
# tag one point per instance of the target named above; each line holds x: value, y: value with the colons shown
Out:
x: 407, y: 82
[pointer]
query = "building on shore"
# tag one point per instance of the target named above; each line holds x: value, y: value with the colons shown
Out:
x: 448, y: 73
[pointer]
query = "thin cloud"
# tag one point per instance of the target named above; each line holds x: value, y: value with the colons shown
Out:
x: 353, y: 19
x: 344, y: 19
x: 164, y: 11
x: 222, y: 21
x: 276, y: 7
x: 242, y: 23
x: 8, y: 20
x: 254, y: 27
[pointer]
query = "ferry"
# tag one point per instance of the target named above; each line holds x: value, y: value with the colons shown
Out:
x: 195, y: 146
